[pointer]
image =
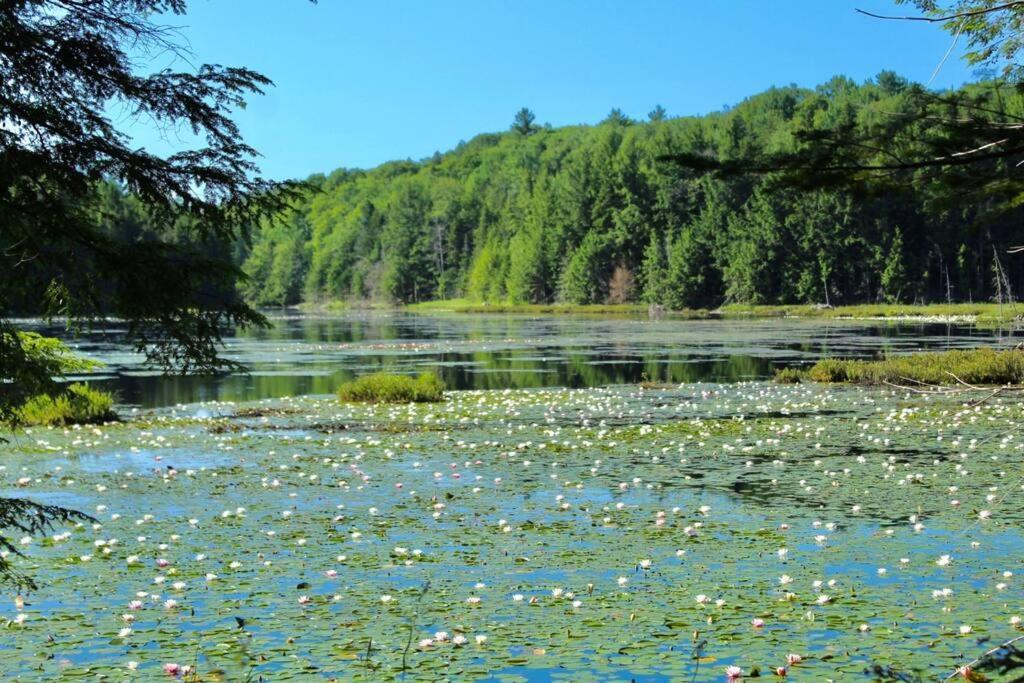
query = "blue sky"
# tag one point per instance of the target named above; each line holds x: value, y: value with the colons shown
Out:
x: 359, y: 83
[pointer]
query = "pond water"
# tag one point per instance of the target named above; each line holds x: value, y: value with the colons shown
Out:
x: 304, y: 354
x: 661, y: 532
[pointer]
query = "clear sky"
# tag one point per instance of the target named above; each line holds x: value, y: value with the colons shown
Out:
x: 362, y: 82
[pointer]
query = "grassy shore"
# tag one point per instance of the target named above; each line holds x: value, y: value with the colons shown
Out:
x: 466, y: 306
x: 984, y: 312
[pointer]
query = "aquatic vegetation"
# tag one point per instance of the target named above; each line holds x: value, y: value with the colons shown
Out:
x: 77, y: 404
x: 592, y: 534
x: 790, y: 375
x: 974, y: 366
x: 384, y: 387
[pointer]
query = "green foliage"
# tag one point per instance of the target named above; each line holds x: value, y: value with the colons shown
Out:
x: 992, y: 29
x: 384, y: 387
x: 31, y: 363
x: 97, y: 226
x: 585, y: 275
x: 77, y: 404
x: 894, y: 276
x: 790, y: 376
x: 975, y: 366
x: 552, y: 216
x: 523, y: 122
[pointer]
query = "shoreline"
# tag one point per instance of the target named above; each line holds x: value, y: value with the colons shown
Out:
x: 956, y: 313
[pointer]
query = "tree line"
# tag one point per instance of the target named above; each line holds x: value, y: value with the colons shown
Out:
x: 594, y: 214
x: 606, y: 214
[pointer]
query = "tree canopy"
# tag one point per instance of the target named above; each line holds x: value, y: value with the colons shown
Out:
x: 68, y: 66
x: 964, y: 147
x: 571, y: 214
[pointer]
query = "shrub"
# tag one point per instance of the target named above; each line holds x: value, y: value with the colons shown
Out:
x: 974, y: 366
x: 77, y: 404
x: 384, y: 387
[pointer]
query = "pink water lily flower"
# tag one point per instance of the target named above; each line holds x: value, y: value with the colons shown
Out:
x: 733, y: 673
x: 172, y: 669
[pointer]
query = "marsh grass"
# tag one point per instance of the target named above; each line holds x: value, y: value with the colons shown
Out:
x: 384, y: 387
x: 467, y: 306
x: 977, y: 312
x: 974, y: 366
x: 790, y: 375
x: 77, y: 404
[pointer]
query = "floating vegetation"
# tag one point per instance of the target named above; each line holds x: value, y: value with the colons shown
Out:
x: 384, y: 387
x: 594, y: 534
x: 77, y: 404
x: 972, y: 367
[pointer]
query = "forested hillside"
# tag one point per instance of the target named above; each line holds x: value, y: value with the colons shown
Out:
x: 594, y: 214
x: 588, y: 214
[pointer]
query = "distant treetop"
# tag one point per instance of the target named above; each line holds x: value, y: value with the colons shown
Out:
x: 523, y: 122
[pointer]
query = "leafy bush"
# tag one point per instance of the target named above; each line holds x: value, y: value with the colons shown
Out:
x: 78, y: 404
x: 30, y: 364
x: 384, y: 387
x: 975, y: 366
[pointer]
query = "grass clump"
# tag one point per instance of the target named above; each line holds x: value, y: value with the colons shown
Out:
x: 974, y: 366
x: 790, y: 375
x: 384, y: 387
x: 77, y: 404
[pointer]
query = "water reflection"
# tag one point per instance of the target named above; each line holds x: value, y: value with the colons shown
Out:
x: 314, y: 354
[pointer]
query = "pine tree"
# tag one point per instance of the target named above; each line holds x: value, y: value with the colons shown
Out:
x: 894, y: 274
x: 523, y: 122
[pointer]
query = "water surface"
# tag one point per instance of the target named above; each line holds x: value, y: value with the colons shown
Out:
x: 313, y: 354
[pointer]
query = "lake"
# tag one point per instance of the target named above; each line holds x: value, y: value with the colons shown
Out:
x: 535, y: 525
x: 310, y: 354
